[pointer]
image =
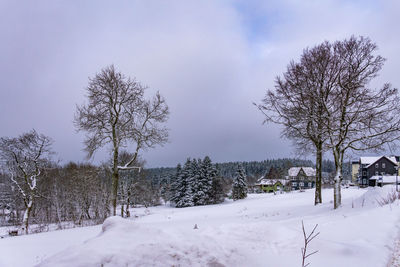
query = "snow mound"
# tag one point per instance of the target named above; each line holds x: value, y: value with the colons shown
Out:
x: 123, y: 242
x: 114, y: 222
x: 374, y: 196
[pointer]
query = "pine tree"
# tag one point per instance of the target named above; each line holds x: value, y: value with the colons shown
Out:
x: 184, y: 196
x: 176, y: 185
x: 217, y: 190
x: 209, y: 174
x: 273, y: 173
x: 165, y: 187
x: 196, y: 182
x: 239, y: 189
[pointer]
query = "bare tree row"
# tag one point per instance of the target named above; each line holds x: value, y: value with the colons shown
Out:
x: 325, y: 102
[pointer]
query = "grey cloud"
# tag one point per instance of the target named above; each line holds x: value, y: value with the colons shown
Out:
x: 197, y: 54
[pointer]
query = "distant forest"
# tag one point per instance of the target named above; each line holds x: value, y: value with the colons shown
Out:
x: 253, y: 169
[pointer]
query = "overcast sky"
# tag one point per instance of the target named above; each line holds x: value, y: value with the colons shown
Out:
x: 210, y: 60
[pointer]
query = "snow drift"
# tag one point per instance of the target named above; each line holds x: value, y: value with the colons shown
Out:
x: 262, y: 230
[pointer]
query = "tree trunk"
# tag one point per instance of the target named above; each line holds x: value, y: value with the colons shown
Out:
x: 114, y: 191
x: 27, y: 214
x: 318, y: 174
x: 115, y: 175
x: 337, y: 196
x: 59, y: 219
x: 128, y: 203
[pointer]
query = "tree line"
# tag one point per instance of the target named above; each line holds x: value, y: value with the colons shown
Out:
x: 74, y: 194
x: 36, y: 190
x: 270, y: 168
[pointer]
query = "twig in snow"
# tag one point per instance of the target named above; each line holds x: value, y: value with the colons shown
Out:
x: 307, y: 240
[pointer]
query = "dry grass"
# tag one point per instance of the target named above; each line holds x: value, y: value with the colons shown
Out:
x: 391, y: 197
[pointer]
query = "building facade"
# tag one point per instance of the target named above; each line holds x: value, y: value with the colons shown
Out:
x: 366, y: 169
x: 301, y: 177
x: 270, y: 185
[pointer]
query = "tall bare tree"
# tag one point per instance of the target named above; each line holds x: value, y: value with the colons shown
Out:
x: 325, y: 100
x: 128, y: 181
x: 299, y: 103
x: 26, y: 156
x: 118, y: 114
x: 360, y: 118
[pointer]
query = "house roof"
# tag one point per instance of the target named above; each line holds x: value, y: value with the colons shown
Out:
x: 371, y: 160
x: 266, y: 181
x: 294, y: 171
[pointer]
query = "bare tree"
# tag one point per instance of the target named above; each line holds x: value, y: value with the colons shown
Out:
x: 26, y: 156
x: 299, y: 103
x: 360, y: 118
x: 118, y: 113
x: 128, y: 181
x: 307, y: 240
x: 325, y: 100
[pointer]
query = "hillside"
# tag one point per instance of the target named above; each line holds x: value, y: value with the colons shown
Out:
x: 262, y: 230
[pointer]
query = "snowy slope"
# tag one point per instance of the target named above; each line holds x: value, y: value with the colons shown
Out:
x: 29, y: 250
x: 262, y: 230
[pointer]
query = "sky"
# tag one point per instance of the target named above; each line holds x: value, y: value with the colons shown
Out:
x: 211, y: 60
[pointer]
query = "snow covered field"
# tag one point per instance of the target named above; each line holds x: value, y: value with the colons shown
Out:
x: 262, y: 230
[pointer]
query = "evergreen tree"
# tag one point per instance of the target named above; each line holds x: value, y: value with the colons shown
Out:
x: 165, y: 187
x: 197, y: 183
x: 273, y: 173
x: 239, y: 189
x: 217, y: 190
x: 176, y: 185
x: 204, y: 173
x: 184, y: 196
x: 209, y: 175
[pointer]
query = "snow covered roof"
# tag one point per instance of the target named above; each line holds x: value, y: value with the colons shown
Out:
x: 386, y: 179
x: 266, y: 181
x: 294, y: 171
x: 371, y: 160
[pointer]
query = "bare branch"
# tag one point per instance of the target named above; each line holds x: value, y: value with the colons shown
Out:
x: 307, y: 240
x: 117, y: 113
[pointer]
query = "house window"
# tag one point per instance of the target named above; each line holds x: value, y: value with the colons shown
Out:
x: 383, y: 165
x: 364, y: 173
x: 301, y: 184
x: 309, y: 184
x: 376, y: 173
x: 294, y: 184
x: 364, y: 181
x: 376, y: 165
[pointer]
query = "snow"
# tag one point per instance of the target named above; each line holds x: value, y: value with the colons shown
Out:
x: 29, y: 250
x: 371, y: 160
x: 386, y: 179
x: 266, y: 181
x: 307, y: 170
x: 262, y: 230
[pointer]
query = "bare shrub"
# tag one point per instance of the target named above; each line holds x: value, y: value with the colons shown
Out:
x: 391, y: 197
x: 307, y: 240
